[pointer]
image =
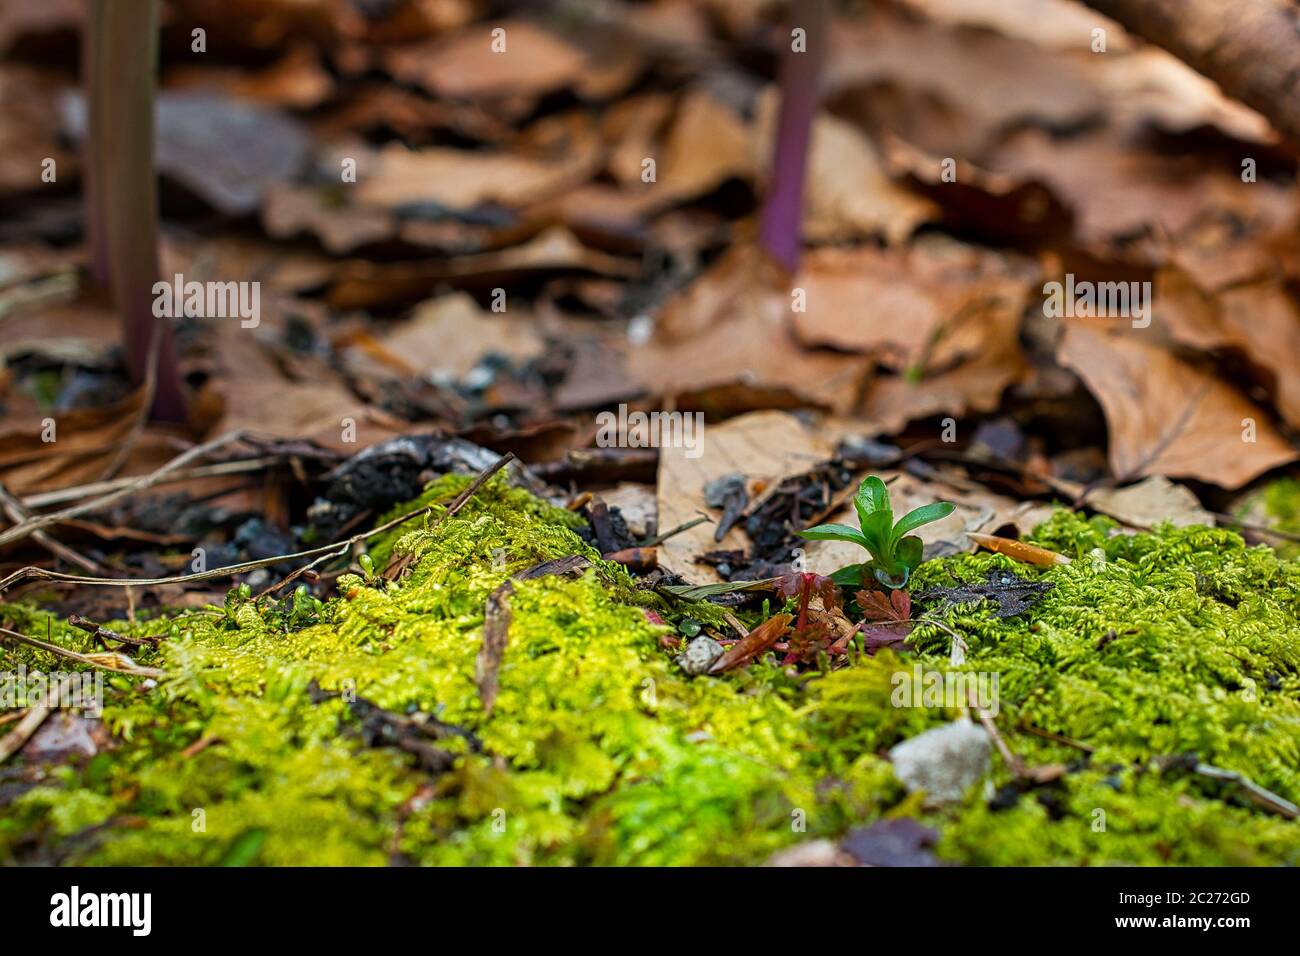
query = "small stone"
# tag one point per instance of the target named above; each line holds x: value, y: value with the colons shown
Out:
x: 700, y: 655
x: 943, y: 762
x: 900, y: 842
x: 811, y: 853
x: 65, y: 736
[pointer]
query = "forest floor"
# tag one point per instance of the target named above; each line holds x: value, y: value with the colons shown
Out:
x: 490, y: 538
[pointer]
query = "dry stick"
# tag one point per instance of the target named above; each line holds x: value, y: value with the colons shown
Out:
x: 452, y: 508
x: 14, y: 740
x: 19, y: 532
x: 328, y: 550
x: 236, y: 466
x: 739, y: 628
x: 1257, y: 795
x: 1057, y: 738
x: 1016, y: 765
x: 18, y: 514
x: 684, y: 526
x: 134, y: 670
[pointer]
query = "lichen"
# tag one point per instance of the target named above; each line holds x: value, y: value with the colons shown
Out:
x: 599, y: 750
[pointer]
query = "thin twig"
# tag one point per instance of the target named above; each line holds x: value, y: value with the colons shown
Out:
x: 1257, y: 795
x: 1016, y: 765
x: 46, y: 499
x: 14, y: 509
x: 14, y: 740
x: 452, y: 508
x: 735, y: 623
x: 91, y: 660
x: 24, y: 530
x: 684, y: 526
x: 324, y: 552
x: 1057, y: 738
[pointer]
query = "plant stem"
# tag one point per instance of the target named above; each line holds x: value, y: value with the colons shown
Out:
x: 126, y: 78
x: 93, y: 84
x: 781, y: 231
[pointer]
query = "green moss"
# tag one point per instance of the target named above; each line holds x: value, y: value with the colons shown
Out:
x: 1277, y: 505
x: 599, y: 750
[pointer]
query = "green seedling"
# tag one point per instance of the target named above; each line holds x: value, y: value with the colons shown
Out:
x: 895, y: 551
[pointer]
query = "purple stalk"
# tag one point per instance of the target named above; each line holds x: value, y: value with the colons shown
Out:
x: 781, y: 231
x: 92, y: 54
x: 126, y: 67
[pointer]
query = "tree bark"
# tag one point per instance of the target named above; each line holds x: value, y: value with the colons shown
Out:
x: 1250, y: 48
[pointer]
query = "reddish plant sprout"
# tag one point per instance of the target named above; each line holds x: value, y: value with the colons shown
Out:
x: 896, y: 606
x: 813, y: 627
x: 886, y: 620
x: 803, y: 585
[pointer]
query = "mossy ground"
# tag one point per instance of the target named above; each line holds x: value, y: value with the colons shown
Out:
x: 599, y: 750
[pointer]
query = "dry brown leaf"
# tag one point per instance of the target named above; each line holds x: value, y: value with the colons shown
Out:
x: 849, y: 193
x: 296, y: 80
x: 706, y: 145
x: 86, y: 442
x: 894, y: 303
x: 450, y: 334
x: 632, y: 126
x: 765, y: 447
x: 976, y: 201
x: 225, y: 151
x: 24, y: 19
x: 1055, y: 24
x: 752, y: 644
x: 732, y: 327
x: 976, y: 356
x: 953, y: 91
x: 1119, y: 189
x: 1260, y: 319
x: 257, y: 396
x: 29, y: 130
x: 290, y: 211
x: 360, y: 284
x: 464, y: 179
x: 534, y: 63
x: 1149, y: 85
x: 1149, y: 502
x: 1168, y: 417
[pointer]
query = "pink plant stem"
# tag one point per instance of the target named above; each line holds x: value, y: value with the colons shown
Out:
x: 781, y: 231
x: 126, y: 79
x: 804, y: 595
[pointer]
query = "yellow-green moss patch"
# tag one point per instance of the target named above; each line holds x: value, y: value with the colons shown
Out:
x: 600, y: 750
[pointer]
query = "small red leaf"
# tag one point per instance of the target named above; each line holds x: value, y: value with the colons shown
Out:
x: 752, y: 644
